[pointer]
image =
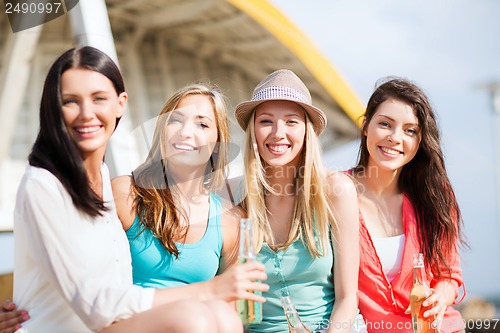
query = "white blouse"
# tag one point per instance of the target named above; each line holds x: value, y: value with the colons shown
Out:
x: 390, y: 253
x: 72, y: 272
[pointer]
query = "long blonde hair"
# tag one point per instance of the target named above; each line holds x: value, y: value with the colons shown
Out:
x: 155, y: 197
x: 311, y: 212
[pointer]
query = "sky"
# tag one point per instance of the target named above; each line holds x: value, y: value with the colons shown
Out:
x: 450, y: 49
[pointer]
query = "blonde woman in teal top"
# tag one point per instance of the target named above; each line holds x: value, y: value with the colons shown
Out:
x: 302, y: 215
x: 168, y: 207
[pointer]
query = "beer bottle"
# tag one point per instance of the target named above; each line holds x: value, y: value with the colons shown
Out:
x: 250, y: 312
x: 419, y: 293
x: 295, y: 325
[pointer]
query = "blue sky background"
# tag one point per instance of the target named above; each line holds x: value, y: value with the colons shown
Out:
x: 450, y: 48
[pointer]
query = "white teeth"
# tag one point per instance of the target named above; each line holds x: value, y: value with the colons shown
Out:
x: 183, y: 147
x: 87, y: 129
x: 390, y: 151
x: 278, y: 148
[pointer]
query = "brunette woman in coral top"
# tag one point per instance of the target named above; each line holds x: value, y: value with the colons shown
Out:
x: 407, y: 205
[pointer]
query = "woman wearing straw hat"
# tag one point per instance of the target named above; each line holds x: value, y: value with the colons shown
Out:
x: 303, y: 216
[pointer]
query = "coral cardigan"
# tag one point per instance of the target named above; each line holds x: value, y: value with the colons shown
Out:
x: 383, y: 303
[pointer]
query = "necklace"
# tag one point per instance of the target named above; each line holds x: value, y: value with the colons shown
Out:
x: 278, y: 270
x: 295, y: 324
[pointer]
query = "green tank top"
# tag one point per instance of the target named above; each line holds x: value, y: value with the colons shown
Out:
x: 310, y: 285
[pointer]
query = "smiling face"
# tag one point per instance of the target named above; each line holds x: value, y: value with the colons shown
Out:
x: 280, y: 128
x: 90, y: 108
x: 393, y: 135
x: 190, y: 133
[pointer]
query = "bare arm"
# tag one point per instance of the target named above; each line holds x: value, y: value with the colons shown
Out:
x: 233, y: 281
x: 124, y: 200
x: 346, y: 251
x: 230, y: 234
x: 230, y: 286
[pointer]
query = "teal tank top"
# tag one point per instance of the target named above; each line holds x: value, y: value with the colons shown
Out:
x: 154, y: 267
x: 310, y: 285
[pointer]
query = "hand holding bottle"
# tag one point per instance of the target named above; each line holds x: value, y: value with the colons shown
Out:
x: 236, y: 282
x: 443, y: 295
x: 419, y: 295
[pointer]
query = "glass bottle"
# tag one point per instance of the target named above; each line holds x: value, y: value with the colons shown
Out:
x: 419, y: 293
x: 295, y: 325
x: 250, y: 312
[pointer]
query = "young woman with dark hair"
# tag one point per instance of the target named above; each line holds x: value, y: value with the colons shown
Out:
x: 72, y: 268
x: 407, y: 206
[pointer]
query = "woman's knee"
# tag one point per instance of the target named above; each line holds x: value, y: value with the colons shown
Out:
x: 226, y: 317
x: 177, y: 317
x: 192, y: 316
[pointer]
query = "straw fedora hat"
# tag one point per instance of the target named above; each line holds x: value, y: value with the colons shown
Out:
x: 281, y: 85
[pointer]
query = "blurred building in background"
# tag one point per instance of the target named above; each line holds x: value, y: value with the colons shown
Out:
x: 161, y: 45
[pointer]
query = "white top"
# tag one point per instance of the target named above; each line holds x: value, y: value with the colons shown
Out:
x: 390, y: 253
x: 72, y: 272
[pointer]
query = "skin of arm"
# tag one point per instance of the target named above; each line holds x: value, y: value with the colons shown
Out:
x: 230, y: 238
x: 443, y: 296
x: 230, y: 286
x: 345, y: 208
x: 230, y: 232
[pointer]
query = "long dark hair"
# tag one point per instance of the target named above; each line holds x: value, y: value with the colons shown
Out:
x: 424, y: 179
x: 54, y: 150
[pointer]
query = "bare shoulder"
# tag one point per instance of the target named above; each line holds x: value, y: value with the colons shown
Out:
x: 121, y: 183
x: 122, y: 189
x: 231, y: 213
x: 124, y: 199
x: 344, y: 200
x: 340, y: 183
